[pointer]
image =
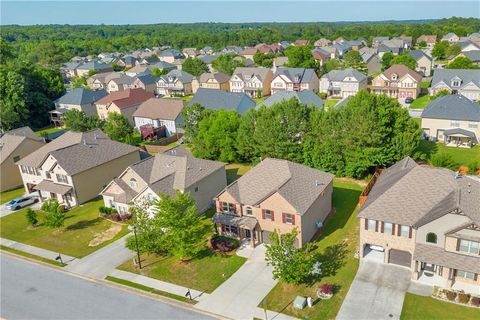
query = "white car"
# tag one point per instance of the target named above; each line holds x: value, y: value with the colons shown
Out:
x: 21, y: 202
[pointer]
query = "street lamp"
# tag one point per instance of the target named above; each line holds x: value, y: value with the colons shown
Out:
x: 134, y: 229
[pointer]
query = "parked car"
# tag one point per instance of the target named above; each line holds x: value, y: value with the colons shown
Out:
x: 408, y: 100
x: 21, y: 202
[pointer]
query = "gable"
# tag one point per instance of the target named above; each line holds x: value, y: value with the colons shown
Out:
x: 277, y: 203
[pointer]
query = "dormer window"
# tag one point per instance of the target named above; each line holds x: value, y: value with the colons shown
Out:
x: 456, y: 83
x: 133, y: 183
x: 394, y: 76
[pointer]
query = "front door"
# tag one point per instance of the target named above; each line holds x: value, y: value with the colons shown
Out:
x: 248, y: 234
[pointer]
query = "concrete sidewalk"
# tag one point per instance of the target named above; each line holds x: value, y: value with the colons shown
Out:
x: 239, y: 296
x: 158, y: 284
x: 35, y: 250
x: 272, y: 315
x: 102, y: 262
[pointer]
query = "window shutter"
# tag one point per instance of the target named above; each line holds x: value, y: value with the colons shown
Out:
x: 219, y: 206
x: 223, y: 228
x: 399, y: 228
x: 475, y: 277
x: 293, y: 219
x: 263, y: 214
x: 393, y: 228
x: 376, y: 226
x: 234, y: 206
x: 382, y: 226
x: 458, y: 245
x: 273, y: 216
x: 410, y: 232
x: 366, y: 224
x: 284, y: 218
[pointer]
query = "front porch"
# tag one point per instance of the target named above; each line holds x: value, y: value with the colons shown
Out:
x: 50, y: 190
x: 239, y: 227
x: 460, y: 138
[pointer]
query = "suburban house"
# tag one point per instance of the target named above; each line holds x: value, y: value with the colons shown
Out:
x: 279, y: 62
x: 468, y: 45
x: 321, y: 55
x: 373, y: 62
x: 398, y: 81
x: 118, y: 83
x: 451, y: 38
x: 457, y: 81
x: 124, y: 102
x: 164, y: 66
x: 220, y: 99
x: 160, y: 112
x: 216, y: 80
x: 170, y: 55
x: 301, y: 42
x: 474, y: 37
x: 174, y: 83
x: 69, y: 69
x: 208, y: 60
x: 424, y: 62
x: 322, y: 42
x: 334, y: 53
x: 80, y: 99
x: 426, y: 219
x: 139, y: 69
x: 166, y: 173
x: 473, y: 55
x: 84, y: 69
x: 127, y: 62
x: 248, y: 53
x: 76, y: 166
x: 15, y: 145
x: 343, y: 83
x: 190, y: 52
x: 430, y: 40
x: 100, y: 80
x: 275, y: 195
x: 255, y: 82
x: 294, y: 79
x: 452, y: 119
x: 307, y: 97
x: 377, y: 41
x: 146, y: 82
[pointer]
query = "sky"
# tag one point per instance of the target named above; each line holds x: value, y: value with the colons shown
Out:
x: 161, y: 11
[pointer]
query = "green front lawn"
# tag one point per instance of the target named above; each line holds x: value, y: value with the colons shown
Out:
x: 330, y: 103
x: 84, y: 231
x: 425, y: 84
x: 235, y: 171
x: 11, y: 194
x: 427, y: 308
x: 48, y: 130
x: 420, y: 102
x: 259, y: 100
x: 463, y: 156
x: 337, y: 245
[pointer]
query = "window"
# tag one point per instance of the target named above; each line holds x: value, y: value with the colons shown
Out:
x: 268, y: 214
x: 387, y: 228
x: 24, y: 169
x: 231, y: 229
x: 31, y: 170
x: 469, y: 246
x: 372, y: 225
x: 289, y: 218
x: 249, y: 211
x: 465, y: 274
x: 456, y: 83
x: 455, y: 124
x: 68, y: 196
x: 228, y: 207
x: 48, y: 175
x: 431, y: 237
x: 16, y: 158
x: 122, y: 210
x: 62, y: 178
x: 405, y: 231
x: 133, y: 183
x: 196, y: 189
x: 473, y: 125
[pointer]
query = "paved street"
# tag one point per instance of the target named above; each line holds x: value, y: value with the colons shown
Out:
x: 32, y: 291
x: 377, y: 292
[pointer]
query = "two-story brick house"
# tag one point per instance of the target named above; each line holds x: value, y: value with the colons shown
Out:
x: 398, y: 81
x: 76, y: 166
x: 343, y: 83
x: 255, y: 82
x: 294, y: 79
x: 275, y: 195
x: 426, y: 219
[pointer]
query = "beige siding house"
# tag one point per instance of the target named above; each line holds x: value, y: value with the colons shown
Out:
x: 214, y: 81
x: 425, y: 219
x: 75, y: 167
x: 14, y: 146
x: 255, y: 82
x: 398, y: 81
x: 125, y: 102
x: 294, y: 79
x: 275, y: 195
x: 166, y: 173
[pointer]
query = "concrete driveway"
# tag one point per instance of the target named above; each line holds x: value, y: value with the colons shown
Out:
x: 377, y: 292
x: 5, y: 212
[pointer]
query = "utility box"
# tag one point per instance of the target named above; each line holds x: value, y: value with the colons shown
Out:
x: 299, y: 302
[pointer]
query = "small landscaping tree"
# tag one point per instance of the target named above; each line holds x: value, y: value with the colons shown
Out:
x: 444, y: 160
x: 54, y: 214
x: 422, y: 44
x: 31, y: 217
x: 290, y: 265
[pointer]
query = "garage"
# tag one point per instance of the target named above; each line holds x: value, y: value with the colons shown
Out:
x: 402, y: 258
x: 374, y: 253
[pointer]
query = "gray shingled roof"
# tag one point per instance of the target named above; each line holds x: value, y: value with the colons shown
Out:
x: 250, y: 72
x: 182, y: 76
x: 81, y: 96
x: 10, y: 141
x: 473, y: 55
x: 220, y: 99
x: 296, y: 183
x: 220, y: 77
x: 446, y: 76
x: 307, y: 97
x: 94, y: 65
x: 297, y: 75
x: 439, y: 256
x: 414, y: 195
x: 452, y: 107
x: 418, y: 54
x: 454, y: 131
x: 339, y: 75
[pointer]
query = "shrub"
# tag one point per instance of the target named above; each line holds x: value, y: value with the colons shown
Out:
x: 326, y: 288
x: 475, y: 301
x: 444, y: 160
x: 31, y: 216
x: 323, y: 95
x: 224, y: 244
x: 62, y: 208
x: 463, y: 297
x: 106, y: 211
x: 473, y: 167
x: 116, y: 217
x: 451, y: 295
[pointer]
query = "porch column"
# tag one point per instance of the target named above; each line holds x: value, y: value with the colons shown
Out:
x: 252, y: 237
x: 386, y: 255
x: 416, y: 273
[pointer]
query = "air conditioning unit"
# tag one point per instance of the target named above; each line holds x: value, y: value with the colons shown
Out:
x: 319, y: 224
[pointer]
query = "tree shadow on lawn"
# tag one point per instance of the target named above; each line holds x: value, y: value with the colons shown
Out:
x: 83, y: 224
x: 429, y: 148
x: 332, y: 259
x: 232, y: 175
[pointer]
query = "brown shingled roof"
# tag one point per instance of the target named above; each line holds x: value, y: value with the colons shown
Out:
x: 400, y: 70
x: 160, y: 108
x: 126, y: 98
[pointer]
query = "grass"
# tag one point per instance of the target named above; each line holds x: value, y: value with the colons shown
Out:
x: 337, y: 245
x: 235, y: 171
x: 11, y: 194
x: 463, y: 156
x: 427, y: 308
x: 420, y: 102
x: 148, y: 289
x: 330, y: 103
x: 48, y: 130
x: 81, y: 226
x: 418, y: 121
x: 32, y: 256
x: 425, y: 84
x: 259, y: 100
